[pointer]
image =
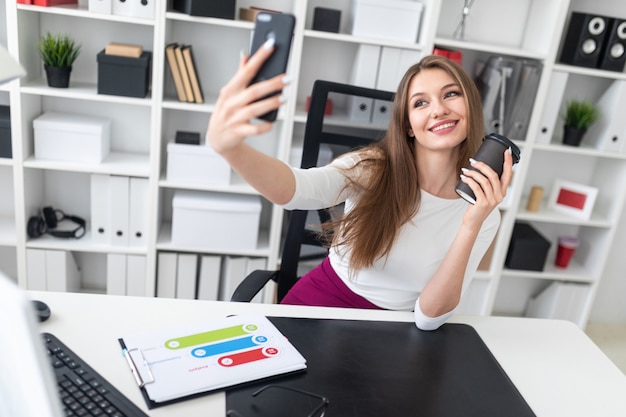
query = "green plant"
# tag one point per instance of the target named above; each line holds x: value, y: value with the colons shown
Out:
x: 581, y: 114
x: 58, y: 50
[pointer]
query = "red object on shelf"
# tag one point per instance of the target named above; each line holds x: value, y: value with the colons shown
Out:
x: 47, y: 3
x: 456, y: 56
x: 24, y: 1
x: 565, y: 250
x: 328, y: 110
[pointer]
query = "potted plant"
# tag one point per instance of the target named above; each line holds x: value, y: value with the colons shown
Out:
x: 578, y: 117
x: 58, y: 53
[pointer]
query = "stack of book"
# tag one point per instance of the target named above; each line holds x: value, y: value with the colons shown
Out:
x: 184, y: 74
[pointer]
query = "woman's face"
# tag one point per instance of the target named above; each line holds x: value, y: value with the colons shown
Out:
x: 437, y: 110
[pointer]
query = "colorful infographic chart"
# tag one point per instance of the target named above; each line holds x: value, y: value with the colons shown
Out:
x: 174, y: 363
x: 235, y: 345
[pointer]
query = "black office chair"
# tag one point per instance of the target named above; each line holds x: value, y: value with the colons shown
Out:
x: 359, y: 117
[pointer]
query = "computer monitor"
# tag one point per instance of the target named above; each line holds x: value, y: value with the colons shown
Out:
x: 27, y: 385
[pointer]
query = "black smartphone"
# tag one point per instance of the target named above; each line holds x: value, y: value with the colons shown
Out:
x: 280, y: 27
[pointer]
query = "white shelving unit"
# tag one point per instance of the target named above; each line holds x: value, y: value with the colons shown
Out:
x: 143, y: 127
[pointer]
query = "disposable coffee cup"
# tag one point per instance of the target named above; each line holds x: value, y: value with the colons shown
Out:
x: 491, y: 152
x: 565, y: 250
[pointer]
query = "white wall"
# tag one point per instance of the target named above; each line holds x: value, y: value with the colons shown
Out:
x: 610, y: 302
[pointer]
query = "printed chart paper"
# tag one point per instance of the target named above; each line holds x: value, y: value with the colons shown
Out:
x: 186, y: 360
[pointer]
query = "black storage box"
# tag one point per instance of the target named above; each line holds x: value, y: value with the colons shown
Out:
x: 528, y: 249
x: 224, y: 9
x: 326, y: 20
x: 124, y: 76
x: 5, y: 132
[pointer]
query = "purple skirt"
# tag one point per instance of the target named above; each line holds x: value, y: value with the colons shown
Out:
x: 322, y: 287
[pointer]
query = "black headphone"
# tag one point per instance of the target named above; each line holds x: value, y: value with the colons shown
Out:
x: 48, y: 220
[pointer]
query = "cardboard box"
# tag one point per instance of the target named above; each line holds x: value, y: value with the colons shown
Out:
x: 215, y: 221
x: 528, y: 249
x: 124, y: 76
x: 224, y: 9
x: 397, y: 20
x: 198, y: 164
x: 72, y: 137
x: 5, y: 132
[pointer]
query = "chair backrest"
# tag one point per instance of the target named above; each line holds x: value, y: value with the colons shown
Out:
x: 359, y: 117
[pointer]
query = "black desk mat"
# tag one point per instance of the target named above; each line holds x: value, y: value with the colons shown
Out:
x: 379, y: 369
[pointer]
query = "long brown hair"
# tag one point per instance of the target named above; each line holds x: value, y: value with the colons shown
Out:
x: 390, y: 195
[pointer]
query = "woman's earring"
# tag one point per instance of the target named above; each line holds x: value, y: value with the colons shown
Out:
x: 410, y: 133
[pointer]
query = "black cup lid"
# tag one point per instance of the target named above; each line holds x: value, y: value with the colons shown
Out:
x: 508, y: 143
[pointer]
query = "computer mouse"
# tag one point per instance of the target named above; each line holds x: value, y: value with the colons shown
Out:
x: 41, y: 309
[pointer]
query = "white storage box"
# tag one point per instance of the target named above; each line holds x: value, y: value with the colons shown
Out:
x: 198, y: 164
x: 215, y: 221
x: 397, y: 20
x: 100, y: 6
x: 72, y: 137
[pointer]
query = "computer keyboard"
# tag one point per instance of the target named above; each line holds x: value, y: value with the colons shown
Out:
x: 83, y: 391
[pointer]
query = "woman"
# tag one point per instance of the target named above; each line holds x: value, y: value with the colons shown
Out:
x: 407, y: 241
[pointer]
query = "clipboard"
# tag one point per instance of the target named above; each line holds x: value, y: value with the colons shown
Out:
x: 171, y: 365
x: 374, y: 368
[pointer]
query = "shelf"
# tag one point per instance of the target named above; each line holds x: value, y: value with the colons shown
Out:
x: 214, y: 21
x: 81, y: 10
x: 207, y: 107
x: 590, y: 72
x: 550, y: 216
x: 80, y: 91
x: 237, y: 186
x: 164, y: 243
x: 115, y: 163
x: 575, y: 272
x: 84, y: 244
x: 578, y: 150
x: 343, y: 37
x: 6, y: 162
x: 488, y: 48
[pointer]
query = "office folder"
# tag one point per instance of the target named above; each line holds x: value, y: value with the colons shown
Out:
x: 186, y: 275
x: 100, y: 191
x: 609, y: 133
x: 516, y: 126
x: 36, y: 269
x: 116, y: 274
x: 138, y: 211
x: 136, y: 275
x: 233, y: 272
x: 508, y: 87
x: 10, y: 68
x: 119, y: 209
x: 364, y: 72
x: 196, y: 358
x: 166, y: 274
x: 62, y: 273
x: 374, y: 369
x: 209, y: 277
x: 551, y: 112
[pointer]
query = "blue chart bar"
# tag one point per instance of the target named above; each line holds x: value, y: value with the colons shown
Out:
x: 223, y: 347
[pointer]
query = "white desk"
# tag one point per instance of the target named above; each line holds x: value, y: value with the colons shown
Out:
x: 554, y: 365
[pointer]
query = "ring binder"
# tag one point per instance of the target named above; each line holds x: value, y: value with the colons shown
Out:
x: 133, y: 367
x: 176, y: 371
